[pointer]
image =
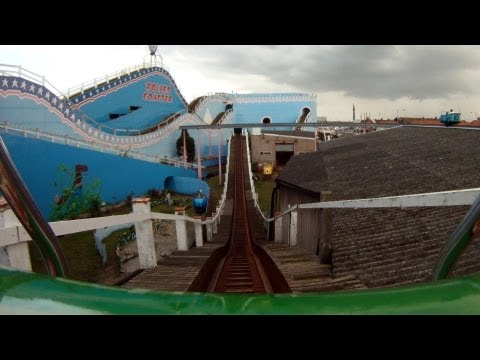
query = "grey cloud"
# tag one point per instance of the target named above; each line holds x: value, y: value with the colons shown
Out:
x: 375, y: 72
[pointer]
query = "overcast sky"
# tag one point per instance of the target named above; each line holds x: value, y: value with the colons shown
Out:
x: 415, y: 80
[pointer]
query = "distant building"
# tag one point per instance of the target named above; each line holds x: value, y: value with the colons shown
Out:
x: 321, y: 119
x: 277, y: 147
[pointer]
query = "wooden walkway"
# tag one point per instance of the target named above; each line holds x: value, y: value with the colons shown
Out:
x: 300, y: 268
x: 177, y: 271
x: 304, y: 273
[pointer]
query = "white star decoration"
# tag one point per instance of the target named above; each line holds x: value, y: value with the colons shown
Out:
x: 54, y: 101
x: 47, y: 96
x: 32, y: 88
x: 14, y: 83
x: 83, y: 96
x: 5, y: 83
x: 24, y: 85
x: 67, y: 111
x: 76, y: 100
x: 40, y: 91
x: 60, y: 106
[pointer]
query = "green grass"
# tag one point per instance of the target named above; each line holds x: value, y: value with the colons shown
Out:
x: 83, y: 260
x: 215, y: 189
x: 264, y: 190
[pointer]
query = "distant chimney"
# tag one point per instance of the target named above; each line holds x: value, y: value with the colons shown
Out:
x: 353, y: 112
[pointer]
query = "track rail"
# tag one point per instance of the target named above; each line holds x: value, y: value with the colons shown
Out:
x: 240, y: 271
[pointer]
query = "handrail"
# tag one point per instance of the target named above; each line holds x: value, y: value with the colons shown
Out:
x: 252, y: 184
x: 18, y: 70
x: 163, y: 123
x: 109, y: 148
x: 225, y: 183
x: 457, y: 242
x: 119, y: 140
x: 23, y: 206
x: 106, y: 78
x: 208, y: 98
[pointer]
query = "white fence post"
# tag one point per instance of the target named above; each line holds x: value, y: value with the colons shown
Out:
x: 214, y: 224
x: 181, y: 227
x: 17, y: 255
x: 144, y: 233
x: 209, y: 229
x: 198, y: 232
x: 278, y: 228
x: 293, y: 228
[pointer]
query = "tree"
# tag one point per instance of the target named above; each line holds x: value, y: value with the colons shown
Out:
x: 190, y: 146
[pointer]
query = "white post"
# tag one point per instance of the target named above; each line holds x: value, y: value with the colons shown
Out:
x: 214, y: 224
x: 278, y: 228
x: 144, y: 232
x: 18, y: 255
x: 181, y: 227
x: 293, y: 228
x: 198, y: 232
x: 209, y: 229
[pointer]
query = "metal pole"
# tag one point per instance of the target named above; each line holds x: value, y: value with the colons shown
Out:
x: 210, y: 144
x: 220, y: 158
x: 184, y: 152
x: 199, y: 169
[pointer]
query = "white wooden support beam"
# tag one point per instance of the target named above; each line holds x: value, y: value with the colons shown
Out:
x: 214, y: 224
x: 209, y: 229
x: 181, y: 228
x: 293, y: 228
x: 144, y: 233
x: 278, y: 228
x: 198, y: 232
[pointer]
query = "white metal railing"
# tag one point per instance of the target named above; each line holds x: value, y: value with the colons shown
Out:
x: 208, y: 99
x: 225, y: 183
x: 102, y: 147
x: 9, y: 236
x: 464, y: 197
x: 117, y: 74
x: 124, y: 142
x: 252, y: 183
x: 17, y: 70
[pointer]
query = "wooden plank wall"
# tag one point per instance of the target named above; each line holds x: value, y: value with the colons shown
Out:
x: 308, y: 225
